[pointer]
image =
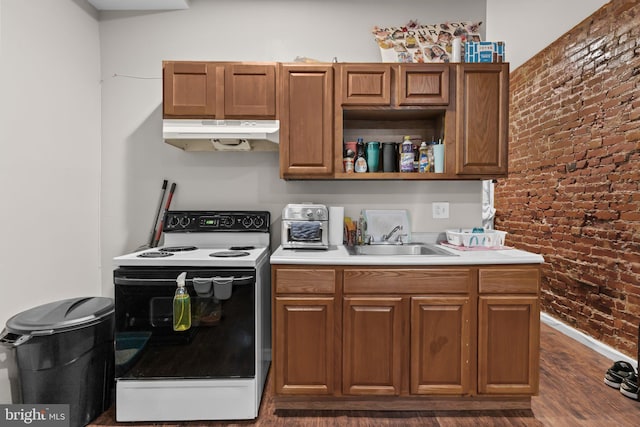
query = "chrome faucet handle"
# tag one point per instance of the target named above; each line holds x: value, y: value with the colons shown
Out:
x: 386, y: 237
x: 399, y: 238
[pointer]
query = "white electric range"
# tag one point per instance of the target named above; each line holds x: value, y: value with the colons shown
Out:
x: 216, y: 369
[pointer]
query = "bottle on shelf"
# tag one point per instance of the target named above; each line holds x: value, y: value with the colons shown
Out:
x: 407, y: 156
x: 430, y: 154
x: 360, y: 162
x: 424, y: 158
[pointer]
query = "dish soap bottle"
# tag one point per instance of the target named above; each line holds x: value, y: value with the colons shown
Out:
x: 181, y: 305
x: 424, y: 158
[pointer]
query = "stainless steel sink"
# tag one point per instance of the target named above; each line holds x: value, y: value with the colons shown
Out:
x: 406, y: 249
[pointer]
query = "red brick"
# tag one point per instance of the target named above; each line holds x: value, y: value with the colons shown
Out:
x: 573, y: 192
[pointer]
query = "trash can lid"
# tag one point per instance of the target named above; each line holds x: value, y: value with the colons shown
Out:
x: 61, y: 316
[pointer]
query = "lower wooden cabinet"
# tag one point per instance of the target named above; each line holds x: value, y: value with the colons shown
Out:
x: 304, y: 345
x: 508, y: 344
x: 353, y: 335
x: 508, y: 330
x: 304, y: 335
x: 440, y: 345
x: 372, y: 346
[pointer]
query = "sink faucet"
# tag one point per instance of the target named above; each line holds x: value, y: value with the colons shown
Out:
x: 386, y: 237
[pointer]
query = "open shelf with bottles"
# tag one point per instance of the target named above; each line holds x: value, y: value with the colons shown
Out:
x: 391, y: 125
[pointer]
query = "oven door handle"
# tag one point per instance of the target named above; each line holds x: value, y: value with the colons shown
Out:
x: 130, y: 281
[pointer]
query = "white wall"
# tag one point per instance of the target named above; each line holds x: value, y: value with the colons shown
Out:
x: 50, y: 161
x: 528, y: 26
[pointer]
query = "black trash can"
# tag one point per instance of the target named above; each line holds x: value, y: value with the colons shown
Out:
x: 62, y: 353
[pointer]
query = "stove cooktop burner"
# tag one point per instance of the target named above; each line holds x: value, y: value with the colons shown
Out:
x: 241, y: 248
x: 178, y: 248
x: 228, y: 254
x: 155, y: 254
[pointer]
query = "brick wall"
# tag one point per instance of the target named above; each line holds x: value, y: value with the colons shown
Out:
x: 574, y: 173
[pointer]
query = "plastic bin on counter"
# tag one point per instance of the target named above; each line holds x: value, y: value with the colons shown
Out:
x: 62, y: 353
x: 471, y: 238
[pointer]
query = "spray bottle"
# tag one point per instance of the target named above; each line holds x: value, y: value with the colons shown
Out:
x: 181, y: 305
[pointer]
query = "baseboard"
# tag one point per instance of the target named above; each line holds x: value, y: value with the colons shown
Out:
x: 609, y: 352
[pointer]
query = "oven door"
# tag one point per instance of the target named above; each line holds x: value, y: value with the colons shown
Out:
x: 220, y: 342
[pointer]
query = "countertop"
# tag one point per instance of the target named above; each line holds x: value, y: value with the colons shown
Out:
x: 338, y: 255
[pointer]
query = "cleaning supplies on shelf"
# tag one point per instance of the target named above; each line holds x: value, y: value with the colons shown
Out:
x: 407, y: 155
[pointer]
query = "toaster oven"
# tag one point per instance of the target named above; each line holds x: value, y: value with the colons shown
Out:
x: 305, y: 226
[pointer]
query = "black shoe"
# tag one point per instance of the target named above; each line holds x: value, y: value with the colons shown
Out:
x: 618, y: 373
x: 629, y: 386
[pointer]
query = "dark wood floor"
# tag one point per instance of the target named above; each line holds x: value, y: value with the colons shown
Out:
x: 572, y: 394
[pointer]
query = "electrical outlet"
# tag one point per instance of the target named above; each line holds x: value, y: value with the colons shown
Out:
x: 440, y: 210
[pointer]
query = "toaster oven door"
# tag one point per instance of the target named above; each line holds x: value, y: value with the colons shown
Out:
x: 304, y: 234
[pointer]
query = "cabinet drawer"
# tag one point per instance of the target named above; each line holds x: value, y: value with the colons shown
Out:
x: 423, y: 84
x: 520, y: 280
x: 305, y: 281
x: 365, y: 84
x: 408, y: 281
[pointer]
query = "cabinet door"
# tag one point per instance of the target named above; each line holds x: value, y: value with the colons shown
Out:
x: 508, y: 344
x: 365, y: 84
x: 189, y: 89
x: 423, y: 84
x: 482, y: 119
x: 372, y: 346
x: 440, y: 345
x: 250, y: 91
x: 306, y: 121
x: 304, y: 346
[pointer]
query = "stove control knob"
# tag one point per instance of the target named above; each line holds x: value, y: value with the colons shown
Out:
x: 308, y: 213
x: 319, y: 213
x: 184, y: 221
x: 247, y: 222
x: 174, y: 221
x: 227, y: 221
x: 258, y: 221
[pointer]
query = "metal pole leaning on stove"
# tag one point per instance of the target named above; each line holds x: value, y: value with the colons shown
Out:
x: 155, y: 220
x: 166, y: 208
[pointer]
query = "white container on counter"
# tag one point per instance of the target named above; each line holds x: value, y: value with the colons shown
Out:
x: 336, y: 225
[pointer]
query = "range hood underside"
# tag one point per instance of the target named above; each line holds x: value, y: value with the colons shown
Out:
x: 222, y: 135
x: 207, y: 145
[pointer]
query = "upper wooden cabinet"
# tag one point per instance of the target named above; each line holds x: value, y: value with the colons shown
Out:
x: 189, y: 88
x: 423, y: 84
x: 306, y: 121
x: 219, y: 90
x: 482, y: 119
x: 250, y: 90
x: 393, y: 84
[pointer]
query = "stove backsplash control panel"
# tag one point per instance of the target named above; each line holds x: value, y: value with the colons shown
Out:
x: 216, y: 221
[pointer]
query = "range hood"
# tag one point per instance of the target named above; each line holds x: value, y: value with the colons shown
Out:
x: 222, y: 135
